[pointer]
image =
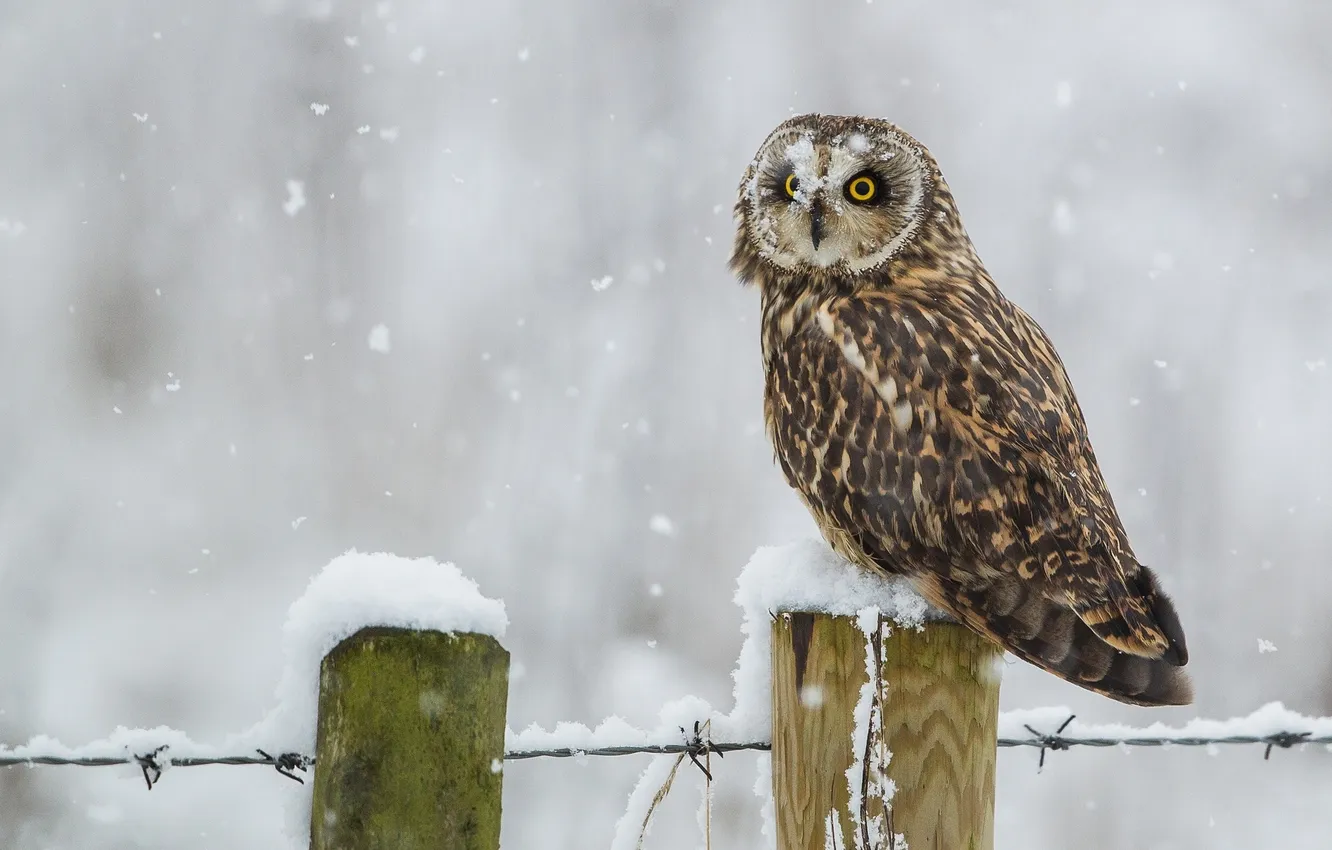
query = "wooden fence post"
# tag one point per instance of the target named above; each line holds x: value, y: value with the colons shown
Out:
x: 411, y: 742
x: 935, y: 709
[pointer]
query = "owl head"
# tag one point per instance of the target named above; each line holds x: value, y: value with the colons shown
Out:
x: 833, y: 196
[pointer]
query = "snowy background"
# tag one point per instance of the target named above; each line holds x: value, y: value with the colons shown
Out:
x: 280, y: 279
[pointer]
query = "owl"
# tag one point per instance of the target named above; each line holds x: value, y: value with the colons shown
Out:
x: 927, y: 422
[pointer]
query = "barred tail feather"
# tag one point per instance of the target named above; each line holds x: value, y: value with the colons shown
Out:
x: 1015, y: 615
x: 1138, y: 618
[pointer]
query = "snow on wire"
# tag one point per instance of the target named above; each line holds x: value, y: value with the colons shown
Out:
x: 1256, y: 728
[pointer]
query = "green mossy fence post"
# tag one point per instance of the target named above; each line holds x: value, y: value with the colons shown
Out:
x: 410, y: 744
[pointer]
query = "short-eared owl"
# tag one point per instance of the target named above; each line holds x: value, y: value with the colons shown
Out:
x: 927, y: 421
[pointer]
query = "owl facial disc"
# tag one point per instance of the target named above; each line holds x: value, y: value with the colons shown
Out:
x: 847, y: 195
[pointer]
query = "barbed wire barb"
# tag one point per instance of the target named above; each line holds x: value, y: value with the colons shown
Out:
x: 1284, y: 740
x: 1049, y: 742
x: 287, y: 763
x: 152, y: 771
x: 699, y: 746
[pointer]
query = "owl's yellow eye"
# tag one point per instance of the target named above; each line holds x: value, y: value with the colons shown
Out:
x: 791, y: 185
x: 862, y: 189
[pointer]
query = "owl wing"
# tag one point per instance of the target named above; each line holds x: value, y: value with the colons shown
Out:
x: 945, y: 442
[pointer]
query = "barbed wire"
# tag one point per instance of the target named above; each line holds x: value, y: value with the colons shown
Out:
x: 156, y: 761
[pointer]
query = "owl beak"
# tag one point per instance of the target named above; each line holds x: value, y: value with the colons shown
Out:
x: 816, y: 223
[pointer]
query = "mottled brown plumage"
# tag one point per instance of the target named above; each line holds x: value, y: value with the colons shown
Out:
x: 927, y: 421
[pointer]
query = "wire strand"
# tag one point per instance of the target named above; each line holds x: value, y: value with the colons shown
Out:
x: 156, y: 761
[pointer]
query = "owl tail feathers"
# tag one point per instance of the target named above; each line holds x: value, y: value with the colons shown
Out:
x: 1138, y: 618
x: 1015, y: 615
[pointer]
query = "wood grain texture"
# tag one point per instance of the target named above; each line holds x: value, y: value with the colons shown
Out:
x: 811, y: 734
x: 941, y: 722
x: 410, y: 742
x: 936, y: 705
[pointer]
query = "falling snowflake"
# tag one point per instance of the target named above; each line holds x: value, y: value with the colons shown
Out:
x: 295, y: 197
x: 378, y: 340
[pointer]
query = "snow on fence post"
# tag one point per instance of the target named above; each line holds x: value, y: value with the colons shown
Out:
x: 410, y: 741
x: 933, y: 705
x: 396, y: 677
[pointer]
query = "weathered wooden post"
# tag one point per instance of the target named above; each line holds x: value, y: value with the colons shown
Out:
x: 410, y: 742
x: 934, y: 706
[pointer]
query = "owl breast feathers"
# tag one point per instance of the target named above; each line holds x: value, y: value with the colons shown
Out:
x: 927, y: 422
